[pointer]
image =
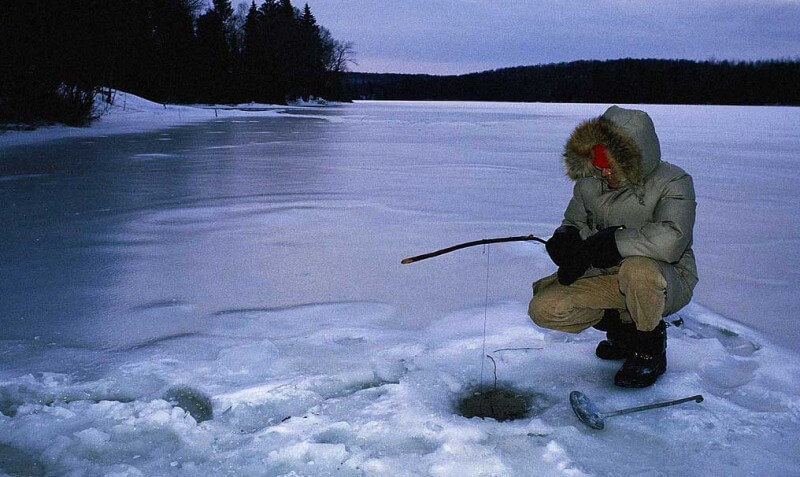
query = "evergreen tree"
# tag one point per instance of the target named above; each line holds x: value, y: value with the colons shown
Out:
x: 223, y: 9
x: 277, y: 66
x: 254, y: 55
x: 172, y: 70
x: 213, y: 40
x: 309, y: 60
x: 286, y: 43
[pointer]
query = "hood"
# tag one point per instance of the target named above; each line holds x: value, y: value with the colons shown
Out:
x: 629, y: 136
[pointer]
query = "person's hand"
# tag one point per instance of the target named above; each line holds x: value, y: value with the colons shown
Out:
x: 574, y: 266
x: 601, y: 248
x: 566, y: 241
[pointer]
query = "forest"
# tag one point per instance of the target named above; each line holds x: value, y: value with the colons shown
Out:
x: 631, y: 81
x: 56, y: 56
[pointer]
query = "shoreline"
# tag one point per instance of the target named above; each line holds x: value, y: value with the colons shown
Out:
x: 131, y: 114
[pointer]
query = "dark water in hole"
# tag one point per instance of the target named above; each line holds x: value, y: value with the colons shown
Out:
x: 503, y: 403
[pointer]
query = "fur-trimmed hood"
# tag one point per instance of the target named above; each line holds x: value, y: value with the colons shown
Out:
x: 631, y: 141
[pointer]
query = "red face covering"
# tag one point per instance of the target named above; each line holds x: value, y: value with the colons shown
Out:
x: 599, y: 156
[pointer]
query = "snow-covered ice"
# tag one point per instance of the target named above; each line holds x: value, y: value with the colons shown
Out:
x: 226, y: 297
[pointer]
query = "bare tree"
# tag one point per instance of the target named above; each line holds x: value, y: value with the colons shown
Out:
x: 337, y: 54
x: 343, y: 54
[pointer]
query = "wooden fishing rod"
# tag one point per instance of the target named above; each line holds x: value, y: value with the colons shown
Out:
x: 520, y: 238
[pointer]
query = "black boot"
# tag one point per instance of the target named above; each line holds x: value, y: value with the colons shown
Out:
x: 618, y: 334
x: 647, y: 359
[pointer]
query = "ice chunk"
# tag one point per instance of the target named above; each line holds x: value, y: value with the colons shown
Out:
x: 92, y: 437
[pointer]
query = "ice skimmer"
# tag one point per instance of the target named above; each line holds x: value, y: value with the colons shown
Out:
x: 588, y: 413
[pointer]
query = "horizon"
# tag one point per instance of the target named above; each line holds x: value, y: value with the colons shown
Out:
x: 794, y: 59
x: 409, y: 37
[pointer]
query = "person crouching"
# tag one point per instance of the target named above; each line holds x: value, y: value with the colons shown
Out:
x: 624, y: 249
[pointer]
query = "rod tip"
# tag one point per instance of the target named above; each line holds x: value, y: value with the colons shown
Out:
x: 406, y: 261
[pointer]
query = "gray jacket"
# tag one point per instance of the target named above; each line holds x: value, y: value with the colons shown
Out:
x: 656, y: 202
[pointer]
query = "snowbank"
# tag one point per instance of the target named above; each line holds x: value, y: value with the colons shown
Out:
x: 129, y: 113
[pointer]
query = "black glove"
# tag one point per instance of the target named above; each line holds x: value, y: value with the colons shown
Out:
x: 601, y: 248
x: 566, y: 241
x: 574, y: 266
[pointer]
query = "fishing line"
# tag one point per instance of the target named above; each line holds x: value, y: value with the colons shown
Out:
x: 485, y: 307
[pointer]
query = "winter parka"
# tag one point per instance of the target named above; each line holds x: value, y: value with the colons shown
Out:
x: 656, y: 200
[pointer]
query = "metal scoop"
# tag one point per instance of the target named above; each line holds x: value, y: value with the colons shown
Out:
x: 588, y: 413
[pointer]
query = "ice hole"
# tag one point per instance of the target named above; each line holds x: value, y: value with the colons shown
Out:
x: 191, y: 400
x: 502, y: 403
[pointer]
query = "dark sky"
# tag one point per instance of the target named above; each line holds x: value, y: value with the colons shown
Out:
x: 461, y: 36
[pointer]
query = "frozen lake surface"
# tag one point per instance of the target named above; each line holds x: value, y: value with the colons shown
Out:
x: 254, y: 262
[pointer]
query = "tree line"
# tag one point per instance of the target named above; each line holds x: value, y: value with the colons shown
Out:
x: 633, y: 81
x: 56, y: 56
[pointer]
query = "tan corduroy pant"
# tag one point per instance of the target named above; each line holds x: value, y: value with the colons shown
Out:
x: 644, y: 290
